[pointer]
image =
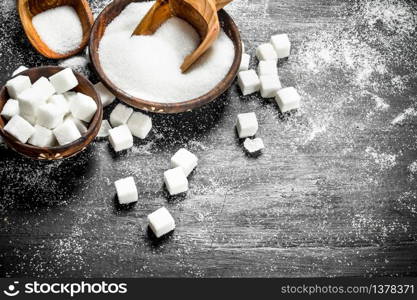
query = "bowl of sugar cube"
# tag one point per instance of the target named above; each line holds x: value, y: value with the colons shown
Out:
x: 49, y: 113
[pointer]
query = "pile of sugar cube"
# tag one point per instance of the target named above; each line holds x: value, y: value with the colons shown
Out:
x: 47, y: 113
x: 125, y: 123
x: 266, y: 79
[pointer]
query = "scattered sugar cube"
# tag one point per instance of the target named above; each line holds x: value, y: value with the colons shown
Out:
x: 81, y: 126
x: 61, y: 102
x: 266, y: 52
x: 104, y: 129
x: 140, y: 125
x: 270, y: 84
x: 161, y: 222
x: 44, y: 89
x: 253, y: 145
x: 126, y: 190
x: 288, y: 99
x: 42, y: 137
x: 83, y: 107
x: 176, y: 181
x: 247, y: 125
x: 267, y: 67
x: 17, y: 85
x: 49, y: 115
x: 244, y: 64
x: 29, y: 101
x: 282, y: 45
x: 19, y: 128
x: 67, y: 132
x: 121, y: 138
x: 184, y: 159
x: 64, y: 81
x: 120, y: 115
x: 248, y: 82
x: 19, y: 70
x: 10, y: 109
x: 106, y: 96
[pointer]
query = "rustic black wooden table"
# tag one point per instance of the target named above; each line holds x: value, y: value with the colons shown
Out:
x: 334, y: 193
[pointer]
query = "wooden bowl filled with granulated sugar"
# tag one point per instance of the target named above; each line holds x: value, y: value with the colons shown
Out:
x: 144, y: 71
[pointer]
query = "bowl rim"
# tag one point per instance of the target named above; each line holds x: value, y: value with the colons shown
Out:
x: 96, y: 121
x: 163, y: 107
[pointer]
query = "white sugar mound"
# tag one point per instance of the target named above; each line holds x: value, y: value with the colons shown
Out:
x: 59, y: 28
x: 148, y: 67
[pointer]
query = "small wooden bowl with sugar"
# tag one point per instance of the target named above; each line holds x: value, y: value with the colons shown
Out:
x: 56, y: 152
x: 112, y: 12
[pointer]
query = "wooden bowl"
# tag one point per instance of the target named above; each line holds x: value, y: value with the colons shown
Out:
x: 97, y: 32
x: 58, y: 152
x: 30, y: 8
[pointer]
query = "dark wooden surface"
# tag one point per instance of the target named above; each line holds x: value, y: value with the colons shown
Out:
x: 333, y: 194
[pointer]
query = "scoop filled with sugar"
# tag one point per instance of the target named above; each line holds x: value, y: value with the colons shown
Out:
x: 56, y: 31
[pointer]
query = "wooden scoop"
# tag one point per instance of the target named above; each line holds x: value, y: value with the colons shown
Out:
x: 30, y: 8
x: 201, y: 14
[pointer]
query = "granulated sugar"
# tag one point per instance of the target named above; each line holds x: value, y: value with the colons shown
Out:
x: 148, y: 67
x: 59, y: 28
x: 77, y: 63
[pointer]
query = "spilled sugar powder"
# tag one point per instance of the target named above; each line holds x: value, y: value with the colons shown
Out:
x: 59, y: 28
x: 148, y: 67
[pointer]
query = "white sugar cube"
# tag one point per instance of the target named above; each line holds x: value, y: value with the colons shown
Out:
x: 243, y: 47
x: 44, y: 89
x: 126, y: 190
x: 270, y: 84
x: 267, y: 67
x: 184, y: 159
x: 288, y: 99
x: 29, y: 101
x: 21, y: 129
x: 248, y: 82
x: 106, y: 96
x: 140, y: 125
x: 61, y: 102
x: 83, y: 107
x: 64, y: 80
x: 161, y: 222
x: 49, y: 116
x: 247, y: 125
x: 120, y: 115
x: 104, y: 129
x: 17, y: 85
x: 176, y: 181
x: 30, y: 118
x: 121, y: 138
x: 282, y: 45
x: 81, y: 126
x: 42, y: 137
x: 244, y: 64
x: 19, y: 70
x: 10, y: 109
x: 266, y: 52
x: 67, y: 132
x: 253, y: 145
